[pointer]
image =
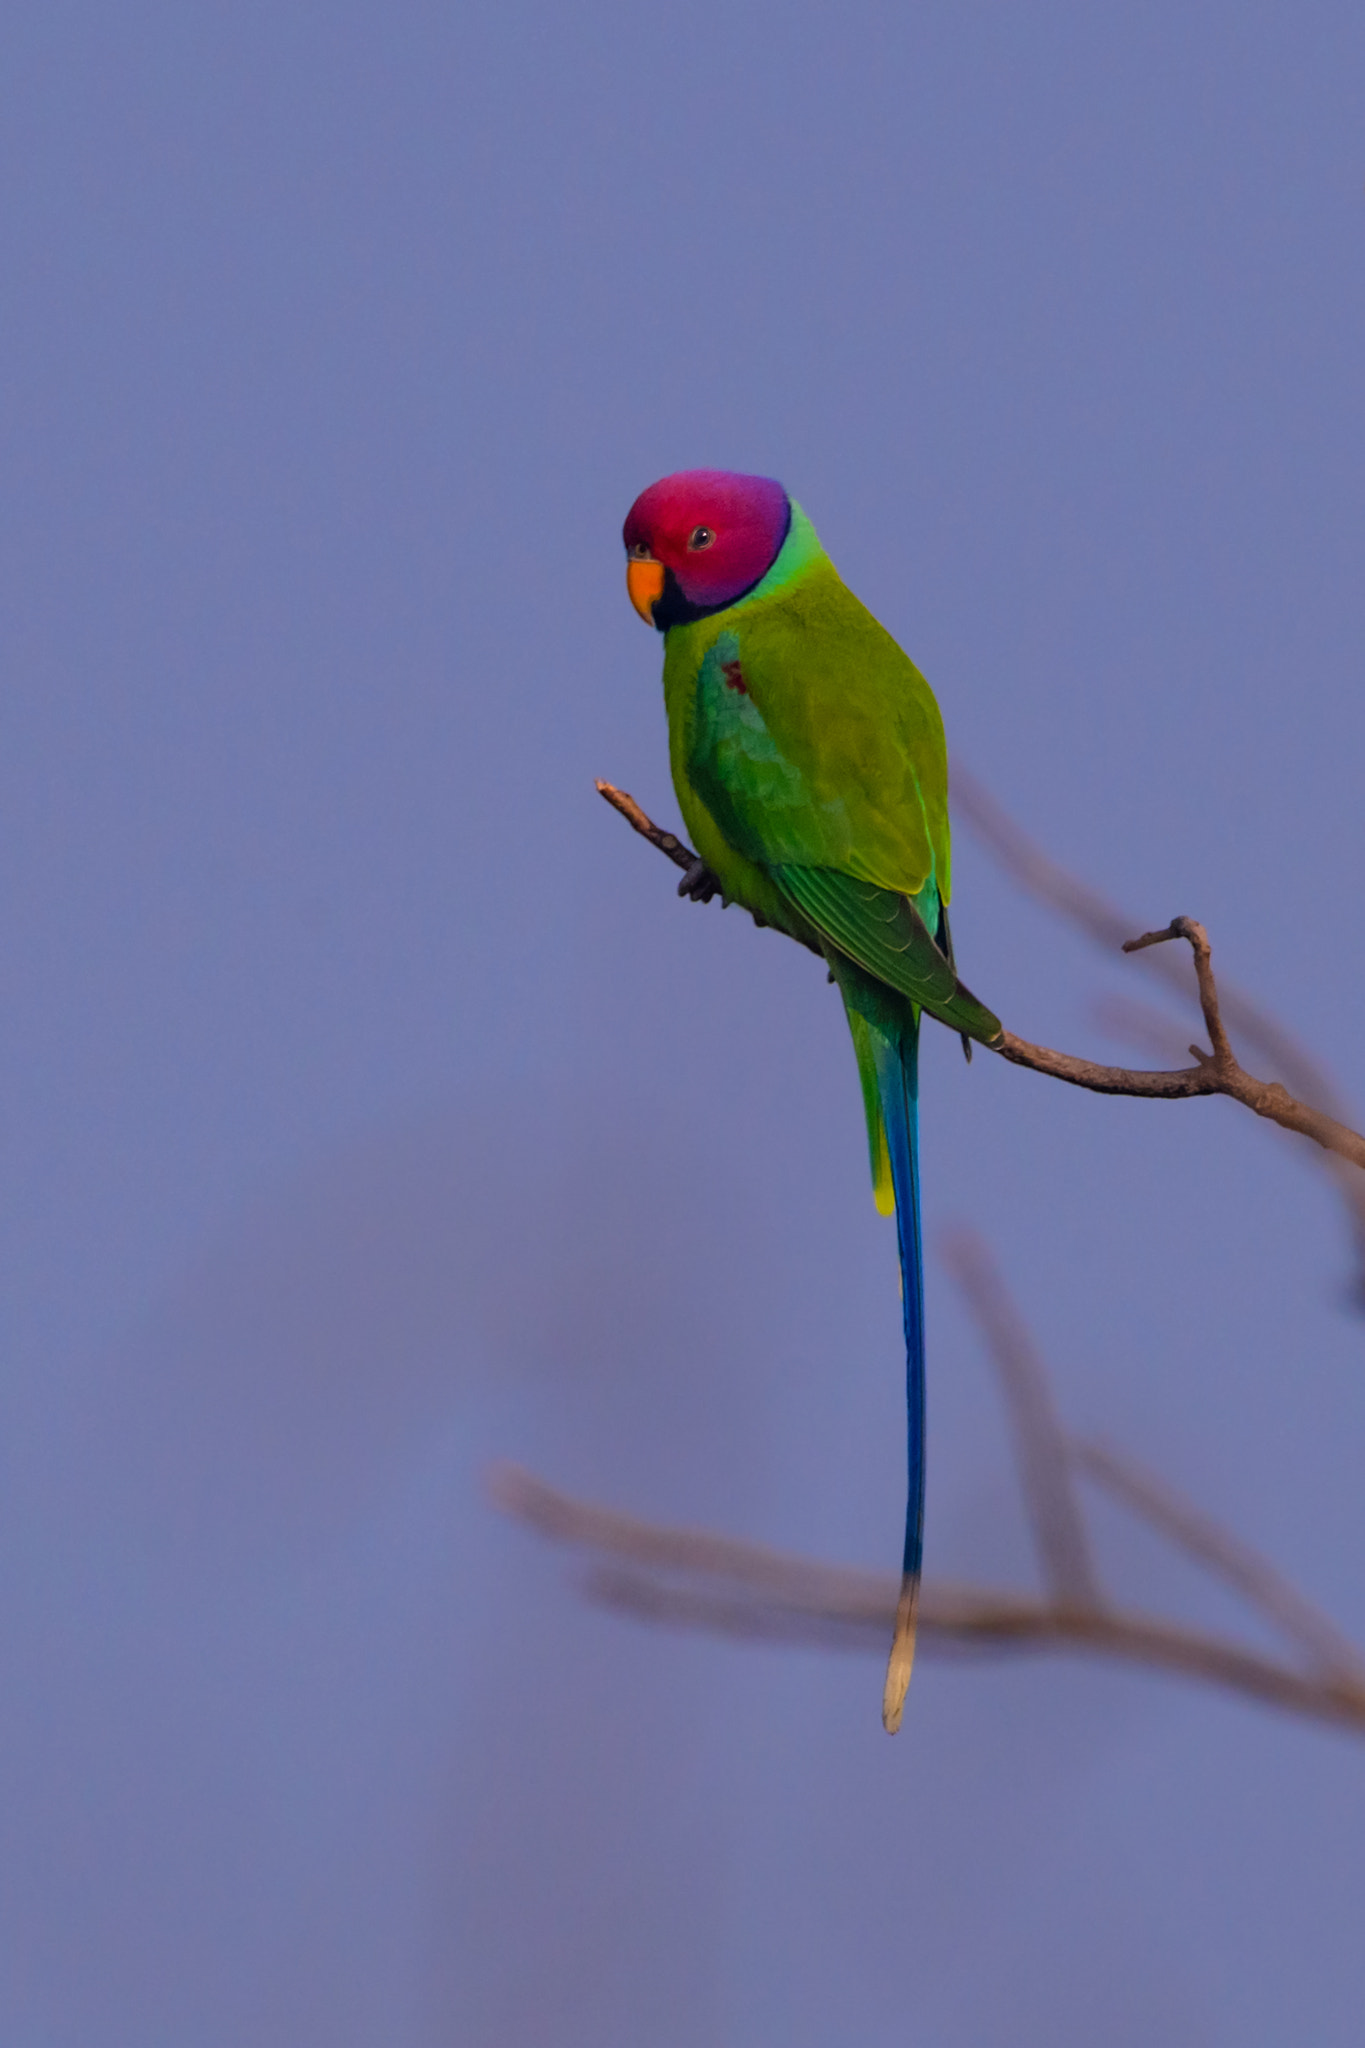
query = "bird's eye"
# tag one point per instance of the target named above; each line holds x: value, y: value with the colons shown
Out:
x: 638, y: 551
x: 700, y: 537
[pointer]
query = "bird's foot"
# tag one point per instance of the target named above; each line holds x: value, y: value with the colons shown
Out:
x: 698, y: 883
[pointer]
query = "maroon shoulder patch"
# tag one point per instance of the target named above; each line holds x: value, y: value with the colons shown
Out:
x: 734, y: 677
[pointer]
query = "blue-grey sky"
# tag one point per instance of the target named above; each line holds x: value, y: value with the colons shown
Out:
x: 372, y: 1109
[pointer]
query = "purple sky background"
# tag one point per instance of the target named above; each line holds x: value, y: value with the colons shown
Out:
x: 373, y: 1110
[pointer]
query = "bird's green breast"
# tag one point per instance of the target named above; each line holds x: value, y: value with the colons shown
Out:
x: 690, y: 684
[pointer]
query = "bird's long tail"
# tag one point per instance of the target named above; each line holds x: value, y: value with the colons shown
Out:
x: 896, y: 1059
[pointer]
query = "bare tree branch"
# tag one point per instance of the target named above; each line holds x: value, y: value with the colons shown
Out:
x: 1109, y: 925
x: 1048, y: 883
x: 1040, y: 1446
x: 686, y: 1578
x: 667, y: 842
x: 1216, y: 1073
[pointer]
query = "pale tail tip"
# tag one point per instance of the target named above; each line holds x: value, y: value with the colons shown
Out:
x: 902, y: 1658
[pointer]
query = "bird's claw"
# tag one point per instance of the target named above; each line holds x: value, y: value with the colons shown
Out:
x: 699, y: 883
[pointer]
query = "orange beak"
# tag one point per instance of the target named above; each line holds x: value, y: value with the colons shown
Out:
x: 644, y: 586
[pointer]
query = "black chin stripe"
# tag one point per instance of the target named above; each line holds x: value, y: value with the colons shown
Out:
x: 673, y: 609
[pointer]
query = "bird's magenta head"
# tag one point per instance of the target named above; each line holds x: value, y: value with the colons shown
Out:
x: 698, y: 540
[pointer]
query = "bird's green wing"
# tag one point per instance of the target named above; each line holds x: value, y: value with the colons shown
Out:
x: 817, y: 747
x: 883, y: 932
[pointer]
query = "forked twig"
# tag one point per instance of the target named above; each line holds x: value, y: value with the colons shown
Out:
x: 1214, y: 1073
x: 1048, y: 883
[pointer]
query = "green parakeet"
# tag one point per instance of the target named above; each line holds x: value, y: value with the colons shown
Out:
x: 809, y: 761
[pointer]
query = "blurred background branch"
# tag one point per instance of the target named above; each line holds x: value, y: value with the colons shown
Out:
x: 697, y: 1579
x: 1059, y: 1532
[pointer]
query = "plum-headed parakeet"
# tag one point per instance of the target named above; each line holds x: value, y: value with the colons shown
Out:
x: 809, y: 761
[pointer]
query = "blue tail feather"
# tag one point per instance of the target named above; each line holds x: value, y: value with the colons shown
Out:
x: 898, y: 1086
